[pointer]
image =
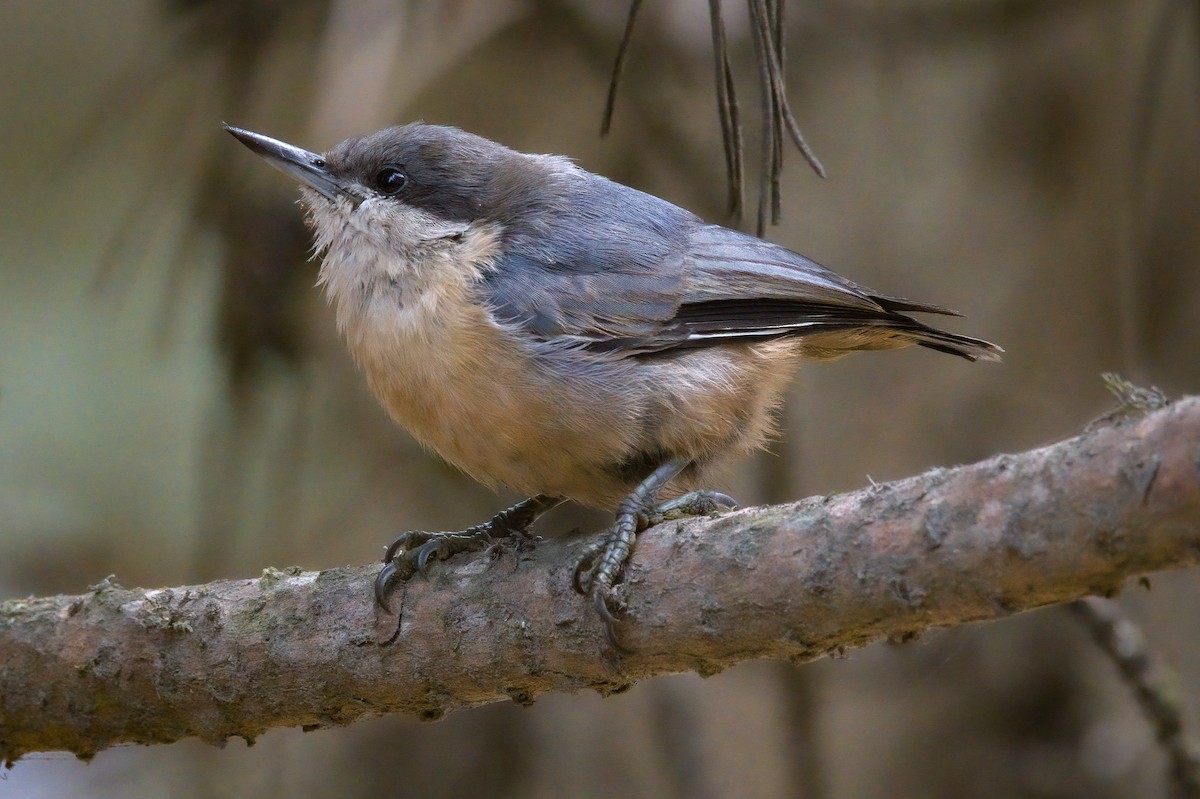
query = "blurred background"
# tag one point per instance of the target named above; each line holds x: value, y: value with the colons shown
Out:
x: 175, y: 405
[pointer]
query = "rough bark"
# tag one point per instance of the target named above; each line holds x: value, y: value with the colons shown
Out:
x: 798, y: 581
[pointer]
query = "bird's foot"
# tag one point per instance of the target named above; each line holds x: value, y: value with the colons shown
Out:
x: 601, y: 565
x: 695, y: 503
x: 412, y: 551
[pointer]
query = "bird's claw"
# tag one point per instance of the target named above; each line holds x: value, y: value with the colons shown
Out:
x: 382, y: 581
x: 601, y: 564
x: 405, y: 542
x: 603, y: 599
x: 434, y: 546
x: 592, y: 576
x: 696, y: 503
x: 584, y: 573
x: 411, y: 552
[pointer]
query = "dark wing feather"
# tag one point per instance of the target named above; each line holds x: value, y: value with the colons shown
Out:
x: 740, y: 289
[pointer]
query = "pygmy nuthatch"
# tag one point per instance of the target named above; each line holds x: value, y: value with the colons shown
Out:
x: 544, y: 328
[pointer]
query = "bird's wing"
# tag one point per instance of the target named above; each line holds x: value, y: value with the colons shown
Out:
x: 604, y: 265
x: 740, y: 288
x: 644, y: 277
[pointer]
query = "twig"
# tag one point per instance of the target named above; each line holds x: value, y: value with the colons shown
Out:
x: 1152, y: 684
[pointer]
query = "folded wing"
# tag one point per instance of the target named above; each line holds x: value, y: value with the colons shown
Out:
x: 660, y: 281
x: 738, y: 288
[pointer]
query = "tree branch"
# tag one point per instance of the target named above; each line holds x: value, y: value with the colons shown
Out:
x: 237, y: 657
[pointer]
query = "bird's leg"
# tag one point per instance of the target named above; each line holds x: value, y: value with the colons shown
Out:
x: 410, y: 553
x: 695, y: 503
x: 601, y: 563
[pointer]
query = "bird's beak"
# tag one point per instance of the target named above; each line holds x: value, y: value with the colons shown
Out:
x: 308, y: 168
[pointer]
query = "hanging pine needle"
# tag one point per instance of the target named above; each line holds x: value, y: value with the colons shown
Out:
x: 619, y: 67
x: 767, y: 30
x: 727, y: 111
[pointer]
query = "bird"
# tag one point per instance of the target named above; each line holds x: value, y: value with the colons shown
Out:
x: 548, y: 330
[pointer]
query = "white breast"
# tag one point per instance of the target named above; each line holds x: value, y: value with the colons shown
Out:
x: 461, y: 383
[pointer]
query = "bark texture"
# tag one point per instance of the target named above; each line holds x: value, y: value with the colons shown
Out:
x: 798, y: 581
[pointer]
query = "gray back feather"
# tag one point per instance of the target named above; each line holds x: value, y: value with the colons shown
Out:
x: 600, y: 261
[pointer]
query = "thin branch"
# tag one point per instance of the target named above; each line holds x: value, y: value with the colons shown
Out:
x: 310, y: 649
x: 1153, y: 685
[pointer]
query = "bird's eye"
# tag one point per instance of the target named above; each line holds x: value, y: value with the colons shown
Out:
x: 391, y: 180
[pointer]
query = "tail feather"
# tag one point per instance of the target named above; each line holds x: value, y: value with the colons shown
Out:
x: 973, y: 349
